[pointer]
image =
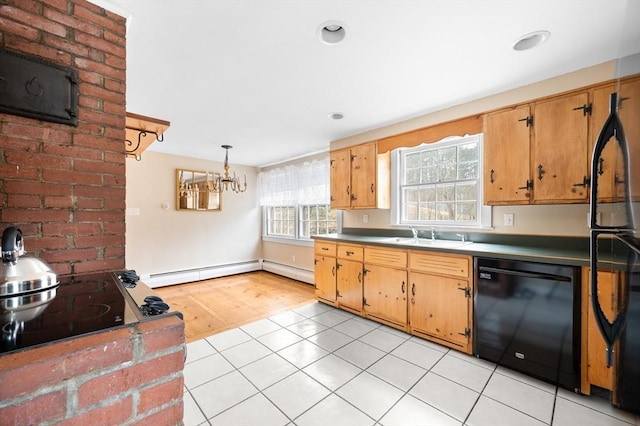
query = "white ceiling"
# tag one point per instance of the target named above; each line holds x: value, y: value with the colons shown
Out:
x: 255, y: 75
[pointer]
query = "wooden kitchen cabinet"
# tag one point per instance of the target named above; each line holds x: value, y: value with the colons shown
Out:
x: 537, y: 153
x: 385, y: 286
x: 594, y: 355
x: 507, y: 178
x: 610, y: 169
x: 560, y: 157
x: 441, y: 304
x: 360, y: 178
x: 324, y: 272
x: 350, y: 276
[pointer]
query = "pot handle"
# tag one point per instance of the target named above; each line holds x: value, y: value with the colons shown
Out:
x: 12, y: 244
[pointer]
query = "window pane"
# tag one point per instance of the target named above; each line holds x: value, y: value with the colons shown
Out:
x: 446, y: 193
x: 427, y: 211
x: 430, y: 158
x: 412, y: 176
x: 447, y: 155
x: 468, y: 152
x: 429, y: 174
x: 412, y: 195
x: 412, y: 161
x: 467, y: 171
x: 466, y: 192
x: 466, y: 211
x: 445, y: 211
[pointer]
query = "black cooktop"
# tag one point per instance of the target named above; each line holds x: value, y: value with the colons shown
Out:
x: 80, y: 304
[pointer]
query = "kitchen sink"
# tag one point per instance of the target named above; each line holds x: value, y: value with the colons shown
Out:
x: 427, y: 242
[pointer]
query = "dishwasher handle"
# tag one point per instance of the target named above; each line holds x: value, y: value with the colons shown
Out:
x: 517, y: 273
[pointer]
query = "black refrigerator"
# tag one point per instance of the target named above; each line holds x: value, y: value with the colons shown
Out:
x: 615, y: 238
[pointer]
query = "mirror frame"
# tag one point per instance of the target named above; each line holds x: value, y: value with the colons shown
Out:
x: 193, y: 193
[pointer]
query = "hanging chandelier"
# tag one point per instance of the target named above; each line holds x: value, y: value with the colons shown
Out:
x: 224, y: 183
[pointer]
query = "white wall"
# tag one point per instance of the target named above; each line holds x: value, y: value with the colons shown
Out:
x: 165, y: 240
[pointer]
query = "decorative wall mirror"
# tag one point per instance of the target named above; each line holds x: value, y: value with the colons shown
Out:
x: 194, y: 191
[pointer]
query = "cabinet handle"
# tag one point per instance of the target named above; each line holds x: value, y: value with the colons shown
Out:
x: 491, y: 176
x: 325, y: 248
x: 348, y: 190
x: 413, y: 289
x: 601, y: 166
x: 402, y: 287
x: 528, y: 120
x: 373, y: 190
x: 528, y: 186
x: 586, y: 109
x: 360, y: 277
x: 585, y: 182
x: 333, y: 271
x: 349, y: 253
x: 540, y: 171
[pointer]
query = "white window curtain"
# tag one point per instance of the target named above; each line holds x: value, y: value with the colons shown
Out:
x: 306, y: 183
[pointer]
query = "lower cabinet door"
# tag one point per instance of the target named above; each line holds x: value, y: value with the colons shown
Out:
x: 385, y: 293
x: 349, y: 283
x: 439, y: 306
x: 325, y: 277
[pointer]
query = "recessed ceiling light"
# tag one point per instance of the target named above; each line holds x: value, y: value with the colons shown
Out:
x: 336, y: 116
x: 531, y: 40
x: 331, y: 32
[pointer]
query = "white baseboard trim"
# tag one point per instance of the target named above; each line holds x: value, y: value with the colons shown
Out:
x: 192, y: 275
x: 181, y: 277
x: 292, y: 272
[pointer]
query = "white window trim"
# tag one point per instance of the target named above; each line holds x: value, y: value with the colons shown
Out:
x: 484, y: 212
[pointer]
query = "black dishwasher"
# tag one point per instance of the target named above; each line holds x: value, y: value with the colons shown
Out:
x: 526, y: 318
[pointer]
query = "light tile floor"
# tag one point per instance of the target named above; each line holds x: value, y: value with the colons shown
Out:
x: 316, y: 365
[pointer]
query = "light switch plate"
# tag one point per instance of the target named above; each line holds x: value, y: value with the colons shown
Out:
x: 508, y: 219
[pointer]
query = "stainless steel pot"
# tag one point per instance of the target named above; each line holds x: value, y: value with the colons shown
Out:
x: 20, y: 275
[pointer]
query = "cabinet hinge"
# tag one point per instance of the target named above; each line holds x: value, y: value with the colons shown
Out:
x: 467, y: 333
x: 364, y: 302
x: 586, y: 109
x: 528, y: 120
x: 467, y: 291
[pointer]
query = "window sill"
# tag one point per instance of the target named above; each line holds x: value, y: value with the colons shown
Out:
x: 291, y: 241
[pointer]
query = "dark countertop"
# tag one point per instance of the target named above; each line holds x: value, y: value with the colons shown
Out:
x: 557, y: 250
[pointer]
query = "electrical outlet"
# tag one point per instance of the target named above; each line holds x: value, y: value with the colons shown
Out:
x: 365, y: 218
x: 508, y: 219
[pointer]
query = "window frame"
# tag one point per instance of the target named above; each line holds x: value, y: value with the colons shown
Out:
x: 483, y: 213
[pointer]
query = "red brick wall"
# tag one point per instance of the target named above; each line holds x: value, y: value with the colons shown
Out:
x: 131, y: 375
x: 64, y: 186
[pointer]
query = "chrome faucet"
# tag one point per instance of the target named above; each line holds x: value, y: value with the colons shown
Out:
x: 433, y: 234
x: 461, y: 236
x: 414, y: 231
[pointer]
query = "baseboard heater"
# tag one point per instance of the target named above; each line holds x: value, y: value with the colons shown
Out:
x: 192, y: 275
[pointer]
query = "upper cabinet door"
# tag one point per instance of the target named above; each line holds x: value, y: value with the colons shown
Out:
x: 507, y: 178
x: 363, y: 176
x: 340, y: 179
x: 560, y: 162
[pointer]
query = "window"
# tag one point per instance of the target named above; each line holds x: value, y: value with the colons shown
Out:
x: 440, y: 183
x: 295, y: 201
x: 281, y: 221
x: 318, y: 219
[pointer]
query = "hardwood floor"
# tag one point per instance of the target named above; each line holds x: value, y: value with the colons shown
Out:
x: 219, y: 304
